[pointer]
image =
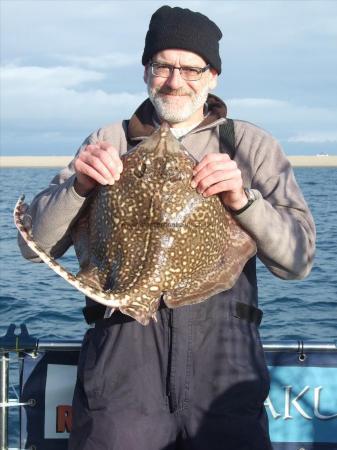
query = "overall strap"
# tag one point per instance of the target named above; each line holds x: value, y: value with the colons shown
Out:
x: 126, y: 126
x: 227, y: 138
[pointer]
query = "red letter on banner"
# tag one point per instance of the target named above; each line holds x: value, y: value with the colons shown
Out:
x: 63, y: 418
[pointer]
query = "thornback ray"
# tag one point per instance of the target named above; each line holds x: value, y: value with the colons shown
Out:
x: 152, y: 236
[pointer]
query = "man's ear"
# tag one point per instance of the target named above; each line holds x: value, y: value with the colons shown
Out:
x: 213, y: 79
x: 146, y: 74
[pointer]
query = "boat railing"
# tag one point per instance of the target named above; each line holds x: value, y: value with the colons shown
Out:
x: 24, y: 344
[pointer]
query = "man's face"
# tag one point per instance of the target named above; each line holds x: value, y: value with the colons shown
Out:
x: 176, y: 100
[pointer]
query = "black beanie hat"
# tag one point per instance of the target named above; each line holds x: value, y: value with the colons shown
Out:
x: 184, y: 29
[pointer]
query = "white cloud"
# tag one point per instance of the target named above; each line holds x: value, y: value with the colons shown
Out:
x: 102, y: 62
x: 23, y: 77
x: 295, y: 125
x: 315, y: 137
x: 271, y: 111
x: 257, y: 103
x: 55, y: 97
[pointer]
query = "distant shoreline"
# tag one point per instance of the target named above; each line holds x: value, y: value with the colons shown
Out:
x: 63, y: 161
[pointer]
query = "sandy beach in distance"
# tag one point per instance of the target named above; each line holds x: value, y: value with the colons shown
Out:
x: 62, y: 161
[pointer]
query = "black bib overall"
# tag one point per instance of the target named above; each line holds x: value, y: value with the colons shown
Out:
x: 196, y: 379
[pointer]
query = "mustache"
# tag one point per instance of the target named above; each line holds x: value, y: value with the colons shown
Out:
x: 177, y: 92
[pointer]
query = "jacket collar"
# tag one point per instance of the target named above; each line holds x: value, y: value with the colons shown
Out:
x: 141, y: 123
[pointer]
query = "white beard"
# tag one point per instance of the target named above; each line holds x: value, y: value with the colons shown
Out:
x: 169, y: 111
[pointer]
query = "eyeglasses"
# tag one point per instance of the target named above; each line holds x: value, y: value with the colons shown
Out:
x: 187, y: 73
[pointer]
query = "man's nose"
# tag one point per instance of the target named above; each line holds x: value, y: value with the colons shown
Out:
x: 175, y: 80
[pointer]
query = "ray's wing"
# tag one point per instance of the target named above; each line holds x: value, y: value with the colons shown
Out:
x: 214, y: 257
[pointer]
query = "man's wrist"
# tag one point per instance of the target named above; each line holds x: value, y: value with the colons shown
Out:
x: 82, y: 190
x: 250, y: 198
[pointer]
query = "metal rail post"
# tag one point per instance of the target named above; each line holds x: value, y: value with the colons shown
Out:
x: 4, y: 376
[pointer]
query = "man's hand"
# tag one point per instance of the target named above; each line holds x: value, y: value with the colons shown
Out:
x: 97, y: 164
x: 218, y: 174
x: 26, y: 218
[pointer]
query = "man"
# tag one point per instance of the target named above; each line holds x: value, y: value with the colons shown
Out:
x: 197, y: 378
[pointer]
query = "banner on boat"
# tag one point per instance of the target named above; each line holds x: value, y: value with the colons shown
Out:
x: 47, y: 383
x: 301, y: 406
x: 302, y: 403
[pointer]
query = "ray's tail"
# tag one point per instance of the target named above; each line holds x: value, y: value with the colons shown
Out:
x: 105, y: 298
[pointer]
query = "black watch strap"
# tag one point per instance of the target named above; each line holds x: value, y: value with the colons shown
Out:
x: 251, y: 198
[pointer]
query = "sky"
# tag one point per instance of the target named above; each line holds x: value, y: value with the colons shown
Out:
x: 70, y: 67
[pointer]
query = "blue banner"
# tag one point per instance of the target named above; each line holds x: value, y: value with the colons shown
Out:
x: 302, y: 403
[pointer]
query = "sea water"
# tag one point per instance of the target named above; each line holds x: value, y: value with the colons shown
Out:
x: 33, y: 294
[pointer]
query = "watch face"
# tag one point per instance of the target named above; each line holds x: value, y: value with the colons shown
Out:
x: 250, y: 195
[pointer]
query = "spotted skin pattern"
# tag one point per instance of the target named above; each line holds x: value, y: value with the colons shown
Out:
x: 152, y: 236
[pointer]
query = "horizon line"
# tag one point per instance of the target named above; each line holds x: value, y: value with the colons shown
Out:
x: 44, y: 161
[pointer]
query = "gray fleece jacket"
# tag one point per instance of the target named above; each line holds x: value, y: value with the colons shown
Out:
x: 279, y: 219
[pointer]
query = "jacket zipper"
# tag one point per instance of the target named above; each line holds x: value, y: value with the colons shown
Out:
x: 169, y: 362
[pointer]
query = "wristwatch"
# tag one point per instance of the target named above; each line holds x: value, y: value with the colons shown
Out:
x: 251, y: 199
